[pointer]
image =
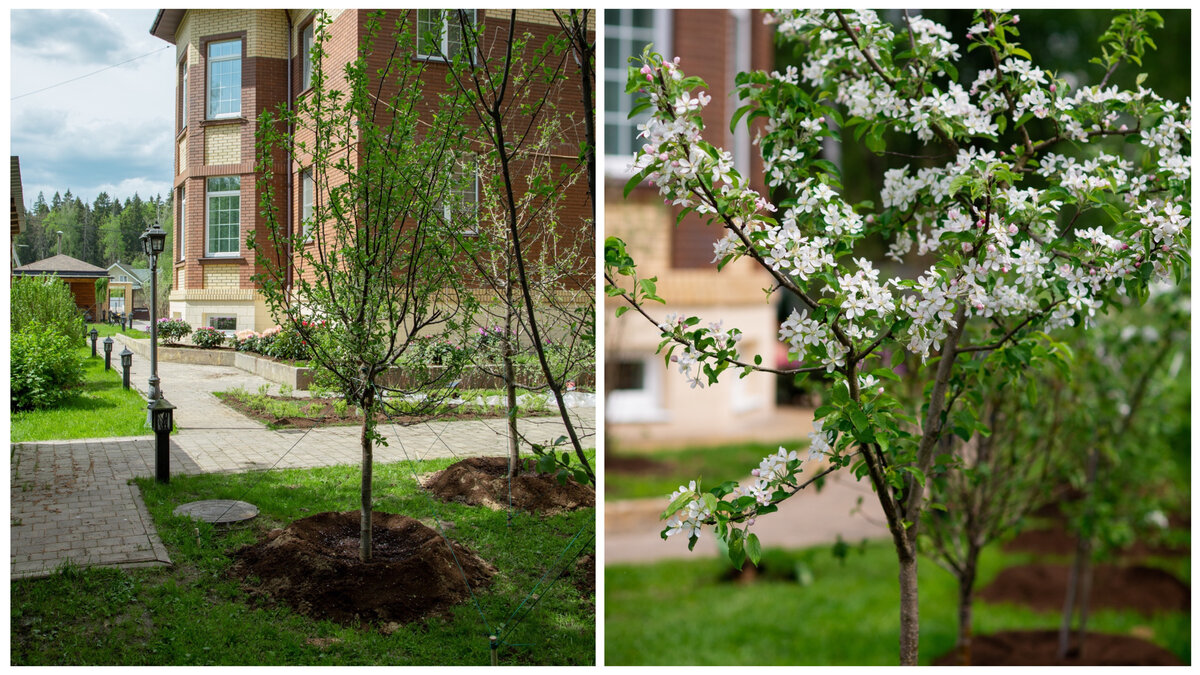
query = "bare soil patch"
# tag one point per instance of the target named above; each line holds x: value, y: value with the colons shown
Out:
x: 318, y: 412
x: 1040, y: 648
x: 313, y: 566
x: 1044, y: 587
x: 629, y: 464
x: 484, y: 481
x: 1055, y: 540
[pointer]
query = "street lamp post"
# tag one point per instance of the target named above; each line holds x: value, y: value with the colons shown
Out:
x: 153, y: 241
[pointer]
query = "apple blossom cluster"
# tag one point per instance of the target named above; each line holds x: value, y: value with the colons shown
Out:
x: 700, y: 346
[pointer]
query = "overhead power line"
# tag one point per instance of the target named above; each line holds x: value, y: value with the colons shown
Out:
x: 75, y: 79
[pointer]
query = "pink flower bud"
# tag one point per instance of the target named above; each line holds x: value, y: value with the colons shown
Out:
x: 1053, y: 88
x: 750, y: 522
x: 1004, y: 269
x: 980, y: 224
x: 675, y: 359
x: 754, y: 472
x: 880, y: 390
x: 1012, y: 229
x: 1124, y: 127
x: 991, y: 248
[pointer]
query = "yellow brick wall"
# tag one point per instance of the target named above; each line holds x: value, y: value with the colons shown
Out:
x: 265, y: 30
x: 180, y: 279
x: 221, y: 276
x: 182, y: 150
x: 223, y: 145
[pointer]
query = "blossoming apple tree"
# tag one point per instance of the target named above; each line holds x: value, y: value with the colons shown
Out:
x: 996, y: 233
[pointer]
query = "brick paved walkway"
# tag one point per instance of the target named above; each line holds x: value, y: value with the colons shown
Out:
x: 73, y: 499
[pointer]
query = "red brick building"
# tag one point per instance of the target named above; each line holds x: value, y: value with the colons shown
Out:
x: 235, y: 65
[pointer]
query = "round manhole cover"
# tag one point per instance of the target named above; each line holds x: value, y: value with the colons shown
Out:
x: 218, y: 510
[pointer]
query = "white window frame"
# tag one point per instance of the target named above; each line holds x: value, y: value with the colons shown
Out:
x: 616, y: 109
x: 447, y: 206
x: 640, y: 405
x: 209, y: 319
x: 307, y: 35
x: 184, y: 100
x: 209, y: 195
x: 308, y: 189
x: 116, y: 303
x: 214, y: 60
x: 182, y: 229
x: 443, y: 31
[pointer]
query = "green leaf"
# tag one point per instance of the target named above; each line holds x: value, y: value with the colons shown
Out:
x: 753, y: 548
x: 621, y: 310
x: 678, y: 503
x: 634, y: 182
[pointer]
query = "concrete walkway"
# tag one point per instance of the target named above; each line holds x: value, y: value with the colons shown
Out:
x: 71, y: 500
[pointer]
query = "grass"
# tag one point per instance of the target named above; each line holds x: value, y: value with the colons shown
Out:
x: 104, y: 330
x: 717, y: 463
x: 100, y: 409
x: 195, y: 614
x: 680, y: 613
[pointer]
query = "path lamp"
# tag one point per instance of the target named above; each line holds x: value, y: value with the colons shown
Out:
x: 154, y: 239
x: 108, y: 344
x: 95, y: 334
x: 161, y: 420
x: 126, y: 364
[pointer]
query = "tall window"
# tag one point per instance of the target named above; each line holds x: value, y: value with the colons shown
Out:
x: 440, y: 31
x: 460, y: 208
x: 225, y: 79
x: 224, y: 216
x: 307, y: 188
x: 182, y: 229
x: 183, y: 100
x: 306, y: 65
x: 626, y: 33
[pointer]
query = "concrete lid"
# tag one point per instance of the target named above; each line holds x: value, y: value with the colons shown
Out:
x: 217, y: 510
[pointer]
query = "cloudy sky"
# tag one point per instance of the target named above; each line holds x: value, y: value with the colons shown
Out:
x: 109, y: 131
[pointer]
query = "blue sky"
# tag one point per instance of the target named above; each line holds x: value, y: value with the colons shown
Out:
x: 111, y: 131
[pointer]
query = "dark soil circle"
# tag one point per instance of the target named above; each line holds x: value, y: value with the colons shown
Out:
x: 313, y: 566
x: 1044, y: 587
x: 636, y: 465
x: 1040, y: 648
x: 483, y: 481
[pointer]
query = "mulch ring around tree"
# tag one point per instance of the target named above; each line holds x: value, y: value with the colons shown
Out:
x: 1044, y: 587
x: 313, y: 566
x: 1040, y: 648
x: 484, y: 481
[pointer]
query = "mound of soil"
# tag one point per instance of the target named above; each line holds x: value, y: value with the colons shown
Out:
x: 483, y: 481
x: 1040, y: 648
x: 313, y: 566
x: 1044, y: 587
x: 1055, y: 540
x: 636, y: 465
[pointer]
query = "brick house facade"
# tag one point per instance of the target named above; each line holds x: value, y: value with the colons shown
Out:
x: 645, y: 401
x: 233, y: 66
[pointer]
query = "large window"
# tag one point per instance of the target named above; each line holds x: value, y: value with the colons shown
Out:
x: 182, y: 229
x: 626, y: 33
x: 307, y: 190
x: 224, y: 216
x: 116, y: 303
x: 636, y: 395
x: 183, y: 98
x: 440, y: 31
x: 225, y: 79
x: 306, y: 65
x: 460, y: 208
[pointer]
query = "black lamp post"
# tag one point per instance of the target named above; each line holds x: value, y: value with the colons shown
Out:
x: 108, y: 346
x: 154, y: 239
x: 126, y: 364
x: 161, y: 420
x: 95, y: 334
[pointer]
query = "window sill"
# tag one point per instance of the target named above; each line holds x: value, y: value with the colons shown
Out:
x: 220, y: 121
x: 208, y: 260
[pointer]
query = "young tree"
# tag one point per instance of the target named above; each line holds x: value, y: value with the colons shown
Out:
x: 1000, y: 230
x: 379, y: 271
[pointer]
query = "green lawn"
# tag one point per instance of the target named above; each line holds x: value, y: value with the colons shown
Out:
x: 195, y: 614
x: 715, y: 464
x: 681, y: 613
x: 100, y: 409
x: 104, y: 330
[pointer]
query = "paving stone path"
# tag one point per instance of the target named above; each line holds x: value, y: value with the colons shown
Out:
x: 72, y: 500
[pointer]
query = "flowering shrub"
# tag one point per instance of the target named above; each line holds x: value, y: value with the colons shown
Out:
x: 246, y: 340
x: 997, y: 230
x: 208, y: 337
x: 173, y: 330
x: 289, y: 344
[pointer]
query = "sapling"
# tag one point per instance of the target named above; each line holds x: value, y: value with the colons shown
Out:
x: 998, y: 232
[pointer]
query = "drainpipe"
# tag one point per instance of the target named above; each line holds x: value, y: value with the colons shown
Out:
x: 291, y: 130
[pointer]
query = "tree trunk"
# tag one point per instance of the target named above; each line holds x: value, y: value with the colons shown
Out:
x: 510, y: 387
x: 966, y: 598
x: 364, y: 533
x: 1079, y: 580
x: 910, y: 624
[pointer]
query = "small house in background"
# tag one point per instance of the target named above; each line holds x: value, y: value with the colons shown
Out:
x: 128, y: 290
x: 16, y: 207
x: 79, y: 276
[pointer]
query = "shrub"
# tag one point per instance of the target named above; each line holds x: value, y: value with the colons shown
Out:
x: 173, y: 330
x: 208, y: 337
x: 289, y: 344
x: 48, y: 302
x: 45, y: 367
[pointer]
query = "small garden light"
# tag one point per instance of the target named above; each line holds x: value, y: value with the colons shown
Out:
x: 161, y: 421
x: 126, y: 364
x: 95, y: 334
x: 108, y: 347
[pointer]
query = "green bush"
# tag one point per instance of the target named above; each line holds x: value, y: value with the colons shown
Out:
x: 289, y: 344
x: 46, y: 366
x: 173, y: 330
x: 48, y: 302
x: 208, y: 337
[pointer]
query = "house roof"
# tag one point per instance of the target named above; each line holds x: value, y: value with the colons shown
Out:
x: 63, y: 266
x: 166, y: 22
x: 141, y: 275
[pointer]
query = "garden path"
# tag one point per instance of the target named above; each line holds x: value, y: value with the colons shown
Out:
x: 71, y: 500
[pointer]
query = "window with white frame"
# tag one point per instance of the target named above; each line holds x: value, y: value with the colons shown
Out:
x: 224, y: 79
x: 306, y: 65
x: 307, y: 190
x: 440, y: 31
x: 116, y: 303
x: 183, y: 98
x: 224, y: 323
x: 636, y: 395
x: 460, y: 207
x: 224, y: 199
x: 626, y: 33
x: 182, y: 229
